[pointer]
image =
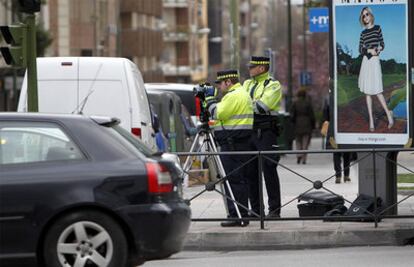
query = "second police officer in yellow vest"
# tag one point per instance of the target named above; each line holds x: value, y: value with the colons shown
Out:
x: 266, y: 95
x: 233, y: 126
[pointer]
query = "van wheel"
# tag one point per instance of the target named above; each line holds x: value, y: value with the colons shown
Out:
x: 85, y: 239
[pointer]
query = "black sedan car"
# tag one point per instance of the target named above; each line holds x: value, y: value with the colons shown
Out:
x: 81, y: 191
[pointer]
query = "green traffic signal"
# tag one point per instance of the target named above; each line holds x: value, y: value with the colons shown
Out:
x: 16, y: 36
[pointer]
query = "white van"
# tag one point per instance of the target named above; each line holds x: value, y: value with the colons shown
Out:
x: 94, y: 86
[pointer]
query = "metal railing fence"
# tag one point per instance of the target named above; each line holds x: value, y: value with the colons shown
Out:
x: 262, y: 156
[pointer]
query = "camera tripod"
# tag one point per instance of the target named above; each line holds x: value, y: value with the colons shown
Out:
x: 205, y: 137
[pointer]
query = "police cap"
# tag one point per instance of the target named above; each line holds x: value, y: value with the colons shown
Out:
x: 257, y: 61
x: 226, y: 74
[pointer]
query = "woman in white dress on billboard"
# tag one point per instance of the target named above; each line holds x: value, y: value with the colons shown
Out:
x: 371, y: 44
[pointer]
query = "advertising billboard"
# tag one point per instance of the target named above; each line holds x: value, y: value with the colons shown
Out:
x: 371, y: 72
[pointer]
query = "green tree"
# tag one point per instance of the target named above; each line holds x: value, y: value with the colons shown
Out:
x: 344, y: 55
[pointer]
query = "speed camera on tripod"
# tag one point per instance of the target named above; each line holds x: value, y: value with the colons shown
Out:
x: 203, y: 89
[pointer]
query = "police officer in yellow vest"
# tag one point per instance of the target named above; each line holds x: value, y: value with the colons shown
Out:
x: 233, y: 126
x: 266, y: 95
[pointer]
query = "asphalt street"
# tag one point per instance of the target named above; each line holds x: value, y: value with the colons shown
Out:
x: 338, y: 257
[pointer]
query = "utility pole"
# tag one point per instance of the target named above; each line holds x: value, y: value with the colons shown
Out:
x: 118, y: 30
x: 32, y: 96
x: 305, y: 55
x: 290, y: 93
x: 234, y: 34
x: 250, y: 36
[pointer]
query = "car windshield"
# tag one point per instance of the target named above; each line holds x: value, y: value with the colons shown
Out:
x: 138, y: 144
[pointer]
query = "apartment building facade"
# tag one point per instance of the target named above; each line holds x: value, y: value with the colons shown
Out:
x: 253, y: 16
x: 185, y: 36
x: 126, y: 28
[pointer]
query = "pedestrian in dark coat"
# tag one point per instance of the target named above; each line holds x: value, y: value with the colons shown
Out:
x: 338, y: 157
x: 304, y: 122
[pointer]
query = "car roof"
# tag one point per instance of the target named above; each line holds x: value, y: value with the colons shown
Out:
x: 170, y: 86
x: 84, y: 130
x: 51, y: 116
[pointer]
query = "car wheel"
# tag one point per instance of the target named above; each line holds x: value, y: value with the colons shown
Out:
x: 85, y: 239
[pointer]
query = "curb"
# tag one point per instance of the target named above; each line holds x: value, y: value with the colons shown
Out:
x: 298, y: 239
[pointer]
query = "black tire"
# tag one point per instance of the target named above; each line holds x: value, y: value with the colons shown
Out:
x: 90, y: 237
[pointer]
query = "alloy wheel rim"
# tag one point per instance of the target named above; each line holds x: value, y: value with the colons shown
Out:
x: 84, y: 244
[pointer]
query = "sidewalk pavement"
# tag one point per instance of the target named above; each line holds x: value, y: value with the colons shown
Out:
x: 293, y: 234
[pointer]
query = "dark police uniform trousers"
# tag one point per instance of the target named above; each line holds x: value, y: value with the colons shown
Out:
x: 237, y: 178
x: 264, y: 140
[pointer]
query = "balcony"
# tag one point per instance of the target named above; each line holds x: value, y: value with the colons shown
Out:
x: 199, y: 73
x: 175, y: 3
x: 172, y: 70
x: 179, y: 33
x: 175, y: 37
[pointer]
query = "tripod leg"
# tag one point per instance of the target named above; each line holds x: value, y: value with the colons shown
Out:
x: 222, y: 173
x: 188, y: 160
x: 214, y: 175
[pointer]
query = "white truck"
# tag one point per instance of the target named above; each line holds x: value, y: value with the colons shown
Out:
x: 94, y: 86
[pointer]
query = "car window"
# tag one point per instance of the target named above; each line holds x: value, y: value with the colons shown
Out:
x: 27, y: 142
x: 137, y: 143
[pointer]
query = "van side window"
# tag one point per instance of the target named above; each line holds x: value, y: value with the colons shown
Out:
x: 139, y: 83
x: 28, y: 142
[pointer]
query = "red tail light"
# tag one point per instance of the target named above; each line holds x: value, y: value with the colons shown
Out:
x: 197, y: 106
x: 137, y: 132
x: 159, y: 178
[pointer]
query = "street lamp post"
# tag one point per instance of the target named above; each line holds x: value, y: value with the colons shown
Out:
x: 290, y: 93
x: 235, y: 35
x: 305, y: 57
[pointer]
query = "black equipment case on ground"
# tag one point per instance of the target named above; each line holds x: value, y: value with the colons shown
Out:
x: 364, y: 206
x: 318, y: 203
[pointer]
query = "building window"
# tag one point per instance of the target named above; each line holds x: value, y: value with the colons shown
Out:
x: 153, y: 63
x: 142, y: 63
x: 86, y: 52
x: 142, y: 20
x: 135, y: 20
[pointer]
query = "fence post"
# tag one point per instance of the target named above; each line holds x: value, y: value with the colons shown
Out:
x: 375, y: 187
x: 260, y: 161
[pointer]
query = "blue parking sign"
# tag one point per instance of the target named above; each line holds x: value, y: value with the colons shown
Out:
x: 305, y: 78
x: 319, y: 19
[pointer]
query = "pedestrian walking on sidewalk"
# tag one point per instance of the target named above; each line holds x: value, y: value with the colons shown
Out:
x: 266, y: 94
x: 341, y: 160
x: 303, y: 118
x: 233, y: 126
x: 340, y: 157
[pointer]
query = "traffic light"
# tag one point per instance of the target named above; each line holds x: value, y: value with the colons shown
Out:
x: 29, y: 6
x: 16, y: 36
x: 21, y: 50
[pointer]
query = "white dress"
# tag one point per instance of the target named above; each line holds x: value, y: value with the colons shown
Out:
x: 370, y: 76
